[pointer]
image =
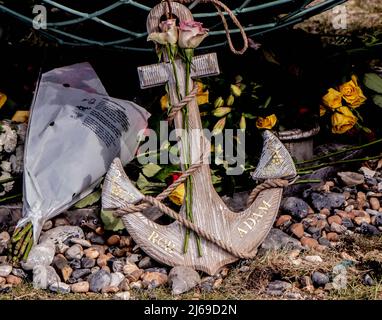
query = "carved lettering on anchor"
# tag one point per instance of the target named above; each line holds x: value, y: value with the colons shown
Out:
x: 251, y: 222
x: 162, y: 242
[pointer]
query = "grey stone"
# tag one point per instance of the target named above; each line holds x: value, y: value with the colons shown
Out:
x: 351, y: 179
x: 331, y: 200
x: 275, y: 293
x: 296, y: 207
x: 82, y: 242
x: 347, y: 223
x: 369, y: 229
x: 60, y: 287
x: 40, y: 254
x: 335, y: 227
x: 207, y: 284
x: 75, y: 264
x: 62, y: 234
x: 134, y: 258
x: 183, y: 279
x: 117, y: 266
x: 5, y: 270
x: 95, y: 238
x: 378, y: 220
x: 324, y: 242
x: 278, y: 239
x: 145, y: 263
x: 80, y: 273
x: 74, y: 252
x: 44, y: 276
x: 19, y: 273
x: 122, y: 296
x: 116, y: 278
x: 47, y: 225
x: 320, y: 279
x: 99, y: 280
x: 279, y: 285
x: 88, y: 263
x: 369, y: 281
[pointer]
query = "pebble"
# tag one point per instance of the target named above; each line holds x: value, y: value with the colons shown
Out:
x: 244, y: 269
x: 117, y: 266
x: 4, y: 240
x: 369, y: 281
x: 5, y: 270
x: 129, y: 268
x: 110, y: 289
x: 320, y: 279
x: 60, y: 222
x: 91, y: 253
x: 335, y: 227
x: 61, y: 248
x: 309, y: 242
x: 125, y: 241
x: 2, y: 281
x: 330, y: 200
x: 374, y: 203
x: 19, y: 273
x: 116, y: 278
x: 296, y: 207
x: 313, y: 259
x: 80, y: 273
x: 152, y: 280
x: 283, y: 219
x: 47, y: 225
x: 82, y: 242
x: 369, y: 229
x: 279, y: 285
x: 277, y: 239
x: 62, y: 234
x: 113, y: 240
x: 347, y: 223
x: 13, y: 280
x: 133, y: 258
x: 361, y: 220
x: 182, y: 279
x: 333, y: 237
x: 124, y: 285
x: 351, y: 179
x: 145, y: 263
x: 99, y: 280
x: 378, y: 220
x: 325, y: 211
x: 88, y: 263
x: 361, y: 200
x: 335, y: 218
x: 297, y: 229
x: 60, y: 287
x: 122, y: 296
x: 103, y: 259
x: 137, y: 285
x: 80, y: 287
x: 74, y: 252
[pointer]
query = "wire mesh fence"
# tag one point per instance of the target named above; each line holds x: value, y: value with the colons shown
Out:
x: 122, y: 23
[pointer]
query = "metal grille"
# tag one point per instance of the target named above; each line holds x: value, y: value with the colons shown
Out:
x: 121, y: 23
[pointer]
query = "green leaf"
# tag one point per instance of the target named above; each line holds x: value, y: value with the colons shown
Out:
x: 249, y: 116
x: 111, y: 222
x: 89, y: 200
x: 373, y: 82
x: 166, y: 172
x: 377, y: 99
x: 142, y: 182
x: 151, y: 169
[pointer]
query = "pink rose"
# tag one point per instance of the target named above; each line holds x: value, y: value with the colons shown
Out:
x: 169, y: 34
x: 191, y: 34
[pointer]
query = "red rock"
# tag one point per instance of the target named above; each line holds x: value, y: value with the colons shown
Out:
x: 124, y: 285
x: 91, y: 253
x: 66, y: 272
x: 110, y: 289
x: 297, y: 229
x: 332, y: 237
x: 336, y: 219
x: 342, y: 214
x: 321, y: 224
x: 13, y: 280
x: 2, y: 281
x: 361, y: 200
x: 374, y: 203
x: 360, y: 220
x: 309, y: 242
x: 103, y: 259
x: 135, y: 275
x: 283, y: 219
x: 125, y: 241
x: 80, y: 287
x: 113, y: 240
x: 152, y: 280
x: 325, y: 211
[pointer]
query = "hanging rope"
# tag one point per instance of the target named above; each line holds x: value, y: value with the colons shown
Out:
x: 219, y: 7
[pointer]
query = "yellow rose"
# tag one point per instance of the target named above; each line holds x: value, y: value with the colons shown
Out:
x: 219, y: 126
x: 221, y: 112
x: 20, y: 116
x: 235, y: 90
x: 333, y: 99
x: 177, y: 196
x: 322, y: 111
x: 343, y: 120
x: 267, y: 122
x: 3, y: 99
x: 230, y: 100
x: 219, y: 102
x: 352, y: 93
x: 164, y: 104
x: 202, y: 96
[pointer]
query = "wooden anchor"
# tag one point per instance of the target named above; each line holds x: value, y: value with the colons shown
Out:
x: 242, y: 231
